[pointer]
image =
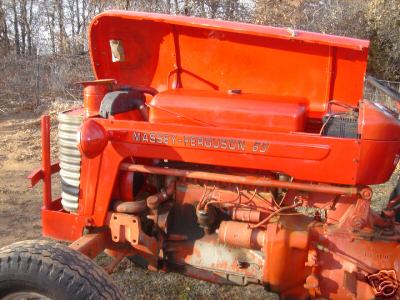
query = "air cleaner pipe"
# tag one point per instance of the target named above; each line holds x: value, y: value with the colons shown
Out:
x: 245, y: 180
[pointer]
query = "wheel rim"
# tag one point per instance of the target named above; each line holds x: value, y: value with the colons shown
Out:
x: 25, y: 296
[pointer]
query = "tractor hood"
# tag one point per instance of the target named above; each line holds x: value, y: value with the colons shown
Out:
x: 166, y: 52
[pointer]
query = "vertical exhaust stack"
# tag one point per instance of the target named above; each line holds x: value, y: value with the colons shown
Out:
x: 70, y: 159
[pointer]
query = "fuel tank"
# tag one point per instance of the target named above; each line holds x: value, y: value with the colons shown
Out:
x: 233, y: 109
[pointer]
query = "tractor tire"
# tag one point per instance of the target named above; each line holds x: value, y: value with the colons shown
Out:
x: 41, y: 269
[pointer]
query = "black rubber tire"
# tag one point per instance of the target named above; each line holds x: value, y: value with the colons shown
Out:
x: 54, y: 271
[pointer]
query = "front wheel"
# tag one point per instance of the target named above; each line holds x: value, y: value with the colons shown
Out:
x: 40, y: 269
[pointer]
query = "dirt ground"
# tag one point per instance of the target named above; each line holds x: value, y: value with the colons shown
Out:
x: 20, y: 209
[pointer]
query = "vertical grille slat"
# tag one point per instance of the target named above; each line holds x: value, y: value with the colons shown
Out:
x: 70, y: 159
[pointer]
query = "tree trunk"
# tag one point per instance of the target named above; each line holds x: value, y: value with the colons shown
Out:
x: 213, y: 5
x: 4, y: 39
x: 230, y: 7
x: 83, y: 14
x: 168, y: 6
x: 50, y: 17
x: 61, y: 28
x: 22, y: 25
x: 29, y: 27
x: 16, y: 29
x: 186, y: 8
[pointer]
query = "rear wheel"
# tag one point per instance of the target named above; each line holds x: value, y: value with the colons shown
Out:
x: 47, y: 270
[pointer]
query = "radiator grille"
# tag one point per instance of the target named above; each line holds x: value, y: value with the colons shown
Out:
x: 70, y: 159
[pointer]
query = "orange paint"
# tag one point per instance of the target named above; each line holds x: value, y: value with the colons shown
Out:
x: 93, y: 93
x: 235, y: 135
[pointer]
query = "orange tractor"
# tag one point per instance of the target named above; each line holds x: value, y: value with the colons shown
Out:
x: 233, y: 153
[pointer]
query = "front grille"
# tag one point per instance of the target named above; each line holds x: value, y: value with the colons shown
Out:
x: 70, y: 159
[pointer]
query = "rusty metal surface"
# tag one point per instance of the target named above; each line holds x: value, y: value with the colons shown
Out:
x: 384, y: 283
x: 237, y: 265
x: 127, y: 228
x: 238, y: 234
x: 92, y: 244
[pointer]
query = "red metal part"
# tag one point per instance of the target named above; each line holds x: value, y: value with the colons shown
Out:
x: 36, y: 175
x: 117, y: 259
x: 46, y: 160
x: 246, y: 180
x: 234, y: 157
x: 384, y: 283
x: 93, y: 139
x: 207, y: 259
x: 237, y: 234
x: 188, y: 190
x: 56, y: 223
x: 60, y: 225
x: 381, y: 125
x: 210, y: 54
x: 246, y: 215
x: 127, y: 228
x: 92, y: 244
x: 302, y: 156
x: 347, y: 263
x: 125, y: 188
x: 287, y: 248
x: 130, y: 207
x: 243, y: 111
x: 93, y: 93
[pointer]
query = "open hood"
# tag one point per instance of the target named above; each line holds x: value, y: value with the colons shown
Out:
x: 166, y: 52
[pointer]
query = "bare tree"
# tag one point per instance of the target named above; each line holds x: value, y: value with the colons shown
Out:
x: 71, y: 13
x: 28, y: 24
x: 230, y: 7
x: 16, y: 28
x: 4, y: 39
x: 50, y: 20
x: 25, y: 24
x: 22, y: 21
x: 213, y: 6
x: 62, y: 35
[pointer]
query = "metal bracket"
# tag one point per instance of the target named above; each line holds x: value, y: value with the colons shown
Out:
x: 38, y: 174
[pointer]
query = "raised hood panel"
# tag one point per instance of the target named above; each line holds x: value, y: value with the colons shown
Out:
x: 166, y: 52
